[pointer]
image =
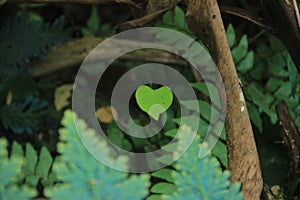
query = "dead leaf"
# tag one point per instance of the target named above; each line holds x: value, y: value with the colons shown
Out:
x: 105, y: 114
x: 61, y: 96
x: 9, y: 98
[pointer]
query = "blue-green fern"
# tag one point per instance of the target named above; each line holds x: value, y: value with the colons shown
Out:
x: 36, y: 167
x: 194, y: 178
x: 83, y: 177
x: 11, y: 186
x: 202, y: 179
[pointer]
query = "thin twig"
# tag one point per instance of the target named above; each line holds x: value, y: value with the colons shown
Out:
x: 242, y: 13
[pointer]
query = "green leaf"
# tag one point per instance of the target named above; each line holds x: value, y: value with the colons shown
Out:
x: 284, y: 91
x: 17, y: 150
x: 220, y: 152
x: 11, y: 185
x: 179, y: 18
x: 273, y: 84
x: 44, y: 164
x: 293, y: 74
x: 32, y: 180
x: 93, y: 22
x: 31, y: 159
x: 255, y: 116
x: 275, y: 43
x: 262, y: 99
x: 205, y: 109
x: 247, y: 63
x: 154, y: 102
x: 154, y: 197
x: 230, y: 35
x: 164, y: 174
x: 87, y: 32
x: 241, y: 50
x: 168, y: 18
x: 202, y: 87
x: 276, y: 64
x: 116, y: 136
x: 163, y: 188
x: 171, y: 133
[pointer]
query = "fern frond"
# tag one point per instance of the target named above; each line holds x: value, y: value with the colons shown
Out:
x: 22, y: 39
x: 10, y: 170
x: 36, y: 167
x: 197, y: 178
x: 84, y: 177
x: 22, y: 117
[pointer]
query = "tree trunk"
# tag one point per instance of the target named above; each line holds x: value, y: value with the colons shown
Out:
x: 204, y: 20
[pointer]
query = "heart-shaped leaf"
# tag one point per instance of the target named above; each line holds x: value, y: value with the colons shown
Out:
x: 154, y: 102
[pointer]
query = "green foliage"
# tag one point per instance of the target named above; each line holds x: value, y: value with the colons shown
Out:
x: 154, y: 102
x: 267, y: 72
x: 194, y: 178
x: 36, y: 167
x: 94, y: 25
x: 21, y: 173
x: 84, y: 177
x: 269, y: 59
x: 174, y: 20
x: 268, y: 76
x: 11, y: 186
x: 242, y: 57
x: 22, y: 117
x: 22, y: 39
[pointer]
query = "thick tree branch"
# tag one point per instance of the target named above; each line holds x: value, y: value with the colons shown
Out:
x: 72, y: 53
x: 204, y: 19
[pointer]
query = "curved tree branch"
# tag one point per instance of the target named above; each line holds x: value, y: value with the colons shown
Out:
x: 72, y: 53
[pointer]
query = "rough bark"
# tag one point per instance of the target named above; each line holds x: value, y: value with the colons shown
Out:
x: 204, y: 20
